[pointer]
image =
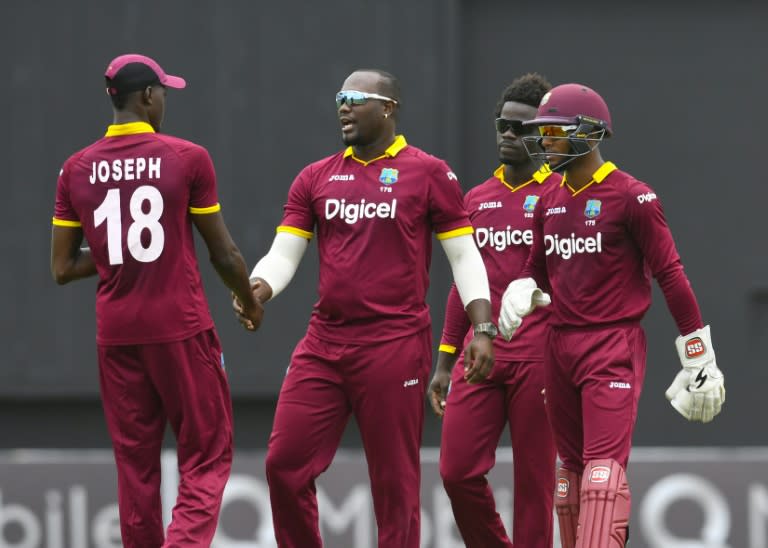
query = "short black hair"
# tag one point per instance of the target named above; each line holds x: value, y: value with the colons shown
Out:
x: 527, y: 89
x: 120, y: 101
x: 390, y: 85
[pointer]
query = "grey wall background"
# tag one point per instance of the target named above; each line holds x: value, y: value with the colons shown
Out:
x: 686, y: 86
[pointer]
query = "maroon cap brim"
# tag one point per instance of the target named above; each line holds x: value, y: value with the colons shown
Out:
x: 176, y: 82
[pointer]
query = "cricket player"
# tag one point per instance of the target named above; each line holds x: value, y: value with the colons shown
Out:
x: 501, y: 210
x: 367, y: 350
x: 598, y: 239
x: 134, y: 195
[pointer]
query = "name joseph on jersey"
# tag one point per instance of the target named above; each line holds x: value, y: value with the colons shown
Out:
x: 124, y: 169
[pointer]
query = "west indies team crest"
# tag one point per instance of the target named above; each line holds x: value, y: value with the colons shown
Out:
x: 388, y: 176
x: 530, y: 203
x: 593, y: 208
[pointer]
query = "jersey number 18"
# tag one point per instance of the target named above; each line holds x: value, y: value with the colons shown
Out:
x: 109, y: 211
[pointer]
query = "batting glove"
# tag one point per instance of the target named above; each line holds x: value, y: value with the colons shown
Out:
x: 698, y: 391
x: 520, y: 299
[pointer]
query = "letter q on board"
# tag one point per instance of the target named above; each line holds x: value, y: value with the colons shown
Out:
x: 242, y: 488
x: 716, y: 524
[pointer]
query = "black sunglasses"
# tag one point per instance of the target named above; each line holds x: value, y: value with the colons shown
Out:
x: 503, y: 125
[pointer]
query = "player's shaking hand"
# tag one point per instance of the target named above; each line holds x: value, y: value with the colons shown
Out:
x: 250, y: 317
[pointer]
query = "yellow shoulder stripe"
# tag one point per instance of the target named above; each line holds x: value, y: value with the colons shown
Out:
x: 295, y: 231
x: 456, y: 232
x: 204, y: 210
x: 603, y: 171
x: 64, y: 222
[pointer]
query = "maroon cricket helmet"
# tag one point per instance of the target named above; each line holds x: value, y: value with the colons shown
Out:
x: 572, y: 104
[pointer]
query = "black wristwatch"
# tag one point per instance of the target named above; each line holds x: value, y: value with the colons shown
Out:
x: 486, y: 328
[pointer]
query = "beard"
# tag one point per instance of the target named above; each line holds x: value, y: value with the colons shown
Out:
x: 354, y: 138
x: 515, y: 159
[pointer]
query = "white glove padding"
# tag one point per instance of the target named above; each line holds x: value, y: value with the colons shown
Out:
x: 521, y: 297
x: 700, y: 406
x: 698, y: 391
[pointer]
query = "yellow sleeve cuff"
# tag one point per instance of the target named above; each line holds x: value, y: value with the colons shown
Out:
x: 456, y: 232
x: 295, y: 231
x: 64, y: 222
x: 449, y: 348
x: 204, y: 210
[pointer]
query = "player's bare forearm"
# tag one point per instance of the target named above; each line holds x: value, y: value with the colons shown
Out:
x: 80, y: 266
x: 233, y: 272
x: 226, y: 257
x: 446, y: 361
x: 69, y: 261
x: 479, y: 311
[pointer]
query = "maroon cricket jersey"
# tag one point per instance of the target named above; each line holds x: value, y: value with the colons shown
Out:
x: 597, y: 248
x: 374, y: 222
x: 132, y: 192
x: 502, y: 217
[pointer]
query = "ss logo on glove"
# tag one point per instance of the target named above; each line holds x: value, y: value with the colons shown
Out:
x: 698, y: 391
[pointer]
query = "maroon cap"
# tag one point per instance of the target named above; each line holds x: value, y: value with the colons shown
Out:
x: 563, y: 105
x: 133, y: 72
